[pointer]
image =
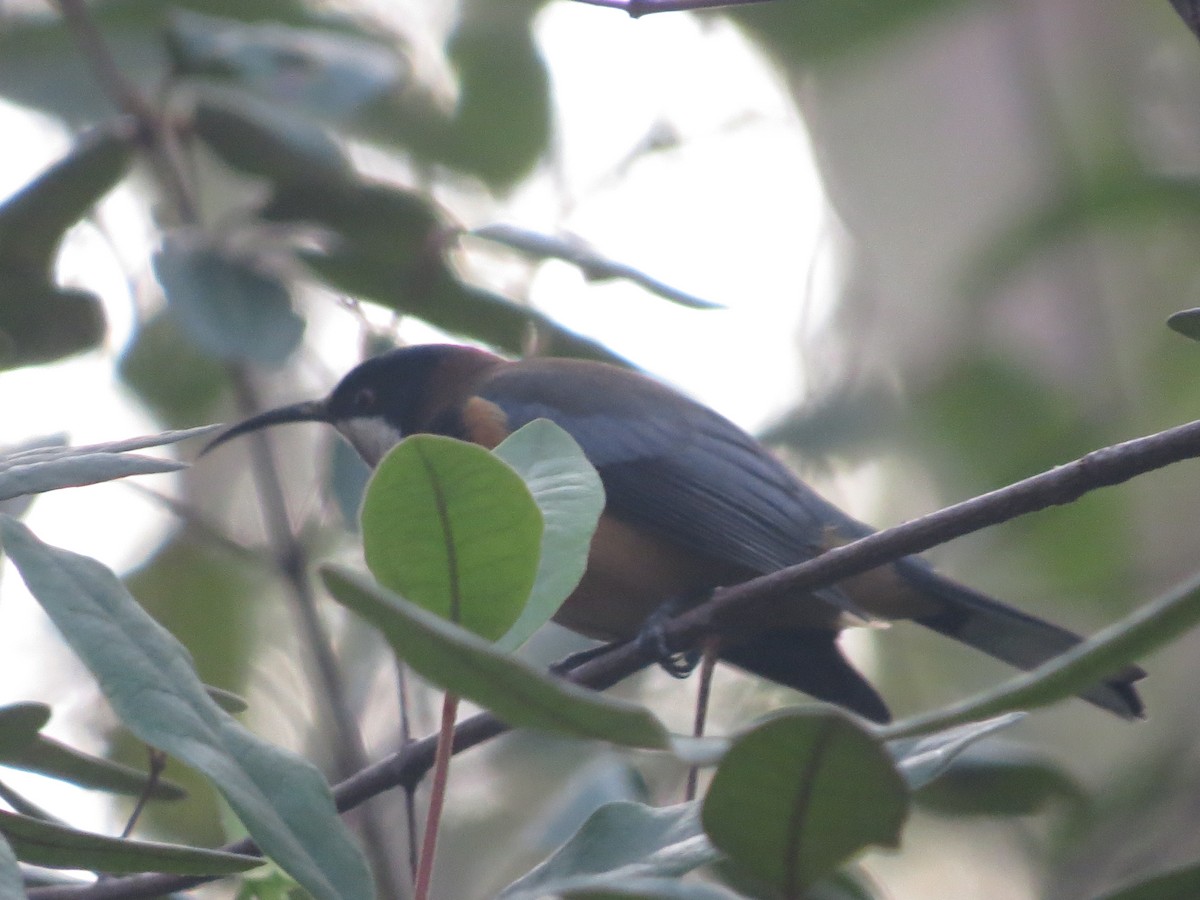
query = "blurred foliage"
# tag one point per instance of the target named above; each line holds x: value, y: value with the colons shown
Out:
x: 1017, y: 185
x: 40, y: 322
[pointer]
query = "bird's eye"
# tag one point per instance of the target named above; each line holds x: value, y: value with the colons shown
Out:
x: 364, y: 399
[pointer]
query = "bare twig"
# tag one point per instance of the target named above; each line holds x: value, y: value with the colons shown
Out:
x: 154, y: 131
x: 708, y: 665
x: 292, y: 561
x: 593, y: 265
x: 437, y: 796
x: 157, y: 762
x: 1101, y: 468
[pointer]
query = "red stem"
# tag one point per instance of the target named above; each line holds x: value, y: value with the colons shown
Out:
x: 437, y: 796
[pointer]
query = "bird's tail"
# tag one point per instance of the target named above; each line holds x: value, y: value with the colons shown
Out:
x: 1012, y: 636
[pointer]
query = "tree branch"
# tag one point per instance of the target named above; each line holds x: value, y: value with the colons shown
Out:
x: 1063, y: 484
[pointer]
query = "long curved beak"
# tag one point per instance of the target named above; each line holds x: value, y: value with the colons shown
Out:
x: 308, y: 411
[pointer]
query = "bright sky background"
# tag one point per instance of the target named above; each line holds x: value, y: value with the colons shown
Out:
x: 734, y: 213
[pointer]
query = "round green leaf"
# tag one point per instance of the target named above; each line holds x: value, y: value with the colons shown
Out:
x: 798, y: 796
x: 19, y: 726
x: 227, y: 306
x: 568, y: 491
x: 262, y: 140
x: 1186, y: 322
x: 453, y: 529
x: 40, y: 323
x: 34, y: 220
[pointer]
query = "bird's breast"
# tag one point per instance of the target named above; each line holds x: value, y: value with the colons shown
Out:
x: 630, y: 573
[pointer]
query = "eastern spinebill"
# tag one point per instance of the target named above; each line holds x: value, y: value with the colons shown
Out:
x: 692, y: 503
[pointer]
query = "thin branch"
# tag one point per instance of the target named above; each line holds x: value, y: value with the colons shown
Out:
x: 591, y: 264
x: 437, y: 796
x: 155, y: 133
x: 112, y: 80
x: 637, y: 8
x: 157, y: 762
x: 161, y: 152
x: 292, y: 562
x: 1064, y: 484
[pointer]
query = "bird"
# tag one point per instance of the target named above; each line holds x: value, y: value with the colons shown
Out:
x: 692, y: 503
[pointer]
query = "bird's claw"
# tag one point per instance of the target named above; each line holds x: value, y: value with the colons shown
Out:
x: 680, y: 665
x: 652, y: 638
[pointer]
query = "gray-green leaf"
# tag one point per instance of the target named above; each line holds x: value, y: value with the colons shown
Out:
x: 568, y: 491
x: 148, y: 678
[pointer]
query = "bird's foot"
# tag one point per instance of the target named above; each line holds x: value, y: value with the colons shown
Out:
x: 652, y: 637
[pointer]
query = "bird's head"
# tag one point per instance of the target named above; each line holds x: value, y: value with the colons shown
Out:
x: 382, y: 400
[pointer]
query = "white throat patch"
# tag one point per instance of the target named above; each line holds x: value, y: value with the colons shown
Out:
x: 371, y: 436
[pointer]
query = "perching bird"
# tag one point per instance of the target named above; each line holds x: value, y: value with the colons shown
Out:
x: 693, y: 503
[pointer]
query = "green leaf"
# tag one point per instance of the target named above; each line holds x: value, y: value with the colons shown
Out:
x: 593, y: 266
x: 197, y: 588
x: 379, y: 222
x: 570, y: 495
x: 227, y: 700
x: 51, y: 468
x: 391, y: 247
x: 501, y: 122
x: 148, y: 679
x: 1186, y: 322
x: 470, y: 667
x: 34, y: 220
x: 622, y: 845
x: 53, y: 759
x: 435, y: 294
x: 261, y: 140
x: 1180, y: 884
x: 1002, y: 780
x: 19, y: 726
x: 178, y: 382
x: 453, y: 529
x: 922, y: 760
x: 41, y: 66
x: 42, y: 843
x: 226, y: 306
x: 800, y: 795
x: 40, y: 323
x: 319, y: 70
x: 12, y: 886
